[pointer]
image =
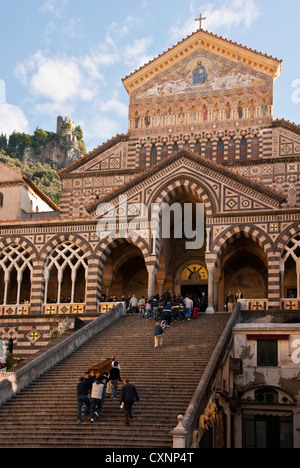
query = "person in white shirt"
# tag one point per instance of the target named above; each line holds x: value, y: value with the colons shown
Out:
x: 96, y: 397
x: 188, y: 307
x: 133, y: 304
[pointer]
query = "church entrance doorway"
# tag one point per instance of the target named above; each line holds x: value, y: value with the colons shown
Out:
x: 194, y: 290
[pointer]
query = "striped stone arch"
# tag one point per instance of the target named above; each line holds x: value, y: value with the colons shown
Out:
x: 185, y: 184
x: 21, y: 254
x: 23, y: 242
x: 101, y: 253
x: 285, y: 237
x: 230, y: 235
x: 38, y: 284
x: 264, y: 241
x: 58, y: 240
x: 106, y: 246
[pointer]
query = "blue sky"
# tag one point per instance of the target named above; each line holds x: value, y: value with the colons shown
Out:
x: 68, y: 57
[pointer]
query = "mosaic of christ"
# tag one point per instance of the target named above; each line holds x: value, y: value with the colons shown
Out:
x: 201, y: 74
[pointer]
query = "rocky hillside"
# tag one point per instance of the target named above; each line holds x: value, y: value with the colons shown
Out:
x: 41, y: 155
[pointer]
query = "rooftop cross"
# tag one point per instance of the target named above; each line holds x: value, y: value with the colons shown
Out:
x: 200, y: 20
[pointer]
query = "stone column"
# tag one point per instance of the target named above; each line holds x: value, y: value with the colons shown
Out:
x: 211, y: 275
x: 179, y: 435
x: 152, y: 270
x: 298, y: 278
x: 37, y: 296
x: 282, y: 272
x: 274, y: 288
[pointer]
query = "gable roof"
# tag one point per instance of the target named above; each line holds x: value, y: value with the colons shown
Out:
x: 16, y: 176
x: 208, y: 164
x: 238, y: 53
x: 94, y: 153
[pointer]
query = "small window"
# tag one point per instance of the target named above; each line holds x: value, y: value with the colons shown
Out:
x: 1, y: 200
x: 142, y: 157
x: 175, y: 148
x: 197, y: 148
x: 164, y: 152
x: 220, y: 151
x: 266, y: 396
x: 231, y: 150
x: 255, y: 148
x: 209, y: 150
x: 243, y: 149
x: 267, y: 353
x: 153, y: 156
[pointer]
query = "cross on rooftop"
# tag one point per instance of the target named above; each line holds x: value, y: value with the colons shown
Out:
x: 200, y: 21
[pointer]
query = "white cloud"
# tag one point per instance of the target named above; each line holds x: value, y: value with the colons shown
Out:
x: 12, y: 118
x: 136, y: 53
x: 61, y: 79
x: 230, y: 13
x: 53, y: 6
x: 99, y: 129
x: 115, y: 106
x: 2, y: 92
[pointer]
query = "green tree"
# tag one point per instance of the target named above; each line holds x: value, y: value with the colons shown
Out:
x: 3, y: 142
x: 78, y: 133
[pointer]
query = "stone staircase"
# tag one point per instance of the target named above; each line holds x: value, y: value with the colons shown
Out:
x: 44, y: 415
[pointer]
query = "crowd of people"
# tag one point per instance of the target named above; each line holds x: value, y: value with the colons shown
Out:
x: 168, y: 307
x: 93, y: 388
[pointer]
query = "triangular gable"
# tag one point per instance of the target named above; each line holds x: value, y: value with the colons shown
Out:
x: 207, y: 43
x: 106, y: 156
x: 227, y: 191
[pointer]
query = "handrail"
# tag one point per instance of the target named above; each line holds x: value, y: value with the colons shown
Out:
x: 46, y: 359
x: 187, y: 424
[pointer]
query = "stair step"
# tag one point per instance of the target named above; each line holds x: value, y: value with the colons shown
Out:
x: 44, y: 415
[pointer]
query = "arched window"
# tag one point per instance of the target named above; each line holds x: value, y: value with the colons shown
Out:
x: 153, y: 156
x: 255, y: 148
x: 15, y: 274
x: 142, y: 157
x: 136, y: 120
x: 209, y: 150
x: 175, y: 148
x: 1, y: 200
x: 204, y: 114
x: 231, y: 150
x: 147, y: 119
x: 228, y: 111
x: 216, y: 113
x: 240, y: 110
x: 243, y: 150
x: 220, y: 151
x: 65, y: 274
x: 197, y: 148
x: 164, y: 152
x: 186, y: 146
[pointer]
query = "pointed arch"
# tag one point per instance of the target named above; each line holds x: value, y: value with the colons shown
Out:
x: 209, y: 150
x: 220, y: 151
x: 153, y: 156
x: 243, y: 149
x: 142, y: 157
x: 255, y: 148
x: 231, y: 150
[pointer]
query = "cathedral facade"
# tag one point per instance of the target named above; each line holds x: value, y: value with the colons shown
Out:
x: 201, y: 131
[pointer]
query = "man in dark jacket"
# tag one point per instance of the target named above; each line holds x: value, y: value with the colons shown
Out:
x: 128, y: 397
x: 114, y: 378
x: 83, y: 389
x: 158, y: 336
